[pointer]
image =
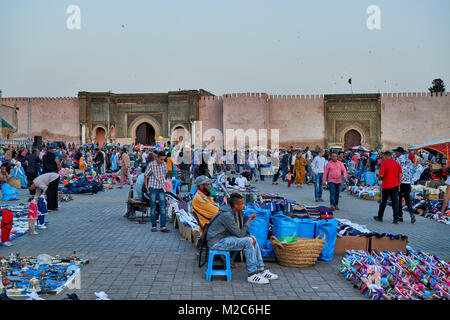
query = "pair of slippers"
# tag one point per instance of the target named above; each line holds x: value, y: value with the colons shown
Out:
x: 162, y: 230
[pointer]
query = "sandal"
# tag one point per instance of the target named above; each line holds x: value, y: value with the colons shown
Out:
x: 154, y: 229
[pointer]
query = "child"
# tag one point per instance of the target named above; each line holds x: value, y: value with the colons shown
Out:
x: 289, y: 178
x: 32, y: 216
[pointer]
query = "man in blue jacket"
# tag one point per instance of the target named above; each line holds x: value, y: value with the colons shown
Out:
x: 224, y: 234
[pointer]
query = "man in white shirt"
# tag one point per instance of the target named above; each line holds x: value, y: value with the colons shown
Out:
x: 308, y: 156
x: 318, y: 168
x: 262, y: 161
x: 144, y: 157
x: 252, y: 163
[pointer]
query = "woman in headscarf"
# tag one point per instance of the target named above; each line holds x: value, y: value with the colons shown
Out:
x: 18, y: 172
x: 82, y: 163
x: 114, y: 161
x: 300, y: 169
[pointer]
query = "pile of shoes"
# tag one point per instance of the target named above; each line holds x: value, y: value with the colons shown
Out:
x: 386, y: 275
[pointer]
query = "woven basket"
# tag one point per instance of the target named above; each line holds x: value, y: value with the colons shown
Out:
x: 15, y: 182
x: 300, y: 254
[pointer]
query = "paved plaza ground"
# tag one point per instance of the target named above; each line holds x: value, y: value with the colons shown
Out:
x: 128, y: 261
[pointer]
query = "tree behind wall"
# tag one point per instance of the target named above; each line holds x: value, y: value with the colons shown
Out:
x: 438, y: 86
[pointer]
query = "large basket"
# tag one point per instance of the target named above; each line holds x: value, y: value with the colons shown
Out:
x: 15, y: 183
x: 300, y: 254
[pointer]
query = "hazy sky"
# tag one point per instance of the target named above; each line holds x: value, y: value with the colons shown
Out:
x: 277, y: 47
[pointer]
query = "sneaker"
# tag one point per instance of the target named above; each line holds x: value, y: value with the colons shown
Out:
x: 7, y: 244
x: 400, y: 219
x: 269, y: 275
x: 413, y: 218
x: 257, y: 279
x: 42, y: 227
x: 34, y: 232
x: 376, y: 218
x: 395, y: 222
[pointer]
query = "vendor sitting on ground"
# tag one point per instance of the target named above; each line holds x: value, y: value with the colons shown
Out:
x: 203, y: 205
x: 224, y: 234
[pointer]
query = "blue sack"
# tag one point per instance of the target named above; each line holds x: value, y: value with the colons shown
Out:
x: 268, y: 252
x: 9, y: 193
x: 369, y: 178
x: 306, y: 228
x: 259, y: 227
x: 329, y: 228
x: 283, y: 226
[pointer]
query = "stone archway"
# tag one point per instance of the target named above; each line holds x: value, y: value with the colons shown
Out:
x: 100, y: 136
x: 145, y: 134
x: 352, y: 138
x: 132, y: 129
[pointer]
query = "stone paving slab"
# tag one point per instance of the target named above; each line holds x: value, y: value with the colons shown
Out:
x: 128, y: 261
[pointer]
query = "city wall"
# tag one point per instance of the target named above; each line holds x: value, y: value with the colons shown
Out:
x: 414, y: 118
x: 55, y: 119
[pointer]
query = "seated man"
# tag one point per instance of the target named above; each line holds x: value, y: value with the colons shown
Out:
x: 139, y: 185
x: 203, y: 205
x: 224, y: 234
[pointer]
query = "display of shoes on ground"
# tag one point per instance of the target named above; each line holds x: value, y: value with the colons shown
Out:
x: 64, y: 197
x: 431, y: 209
x: 386, y: 275
x: 44, y: 274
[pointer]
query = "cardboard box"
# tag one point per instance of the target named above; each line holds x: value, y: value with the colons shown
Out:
x: 435, y: 166
x: 195, y: 237
x: 432, y: 197
x: 386, y: 244
x: 350, y: 243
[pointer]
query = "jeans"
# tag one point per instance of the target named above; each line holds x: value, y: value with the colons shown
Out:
x: 283, y: 172
x: 237, y: 167
x: 405, y: 192
x: 99, y: 168
x: 261, y: 175
x: 162, y: 206
x: 252, y: 253
x: 385, y: 195
x: 318, y: 186
x: 335, y: 188
x: 253, y: 173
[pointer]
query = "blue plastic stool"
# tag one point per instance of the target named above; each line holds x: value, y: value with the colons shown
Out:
x: 222, y: 272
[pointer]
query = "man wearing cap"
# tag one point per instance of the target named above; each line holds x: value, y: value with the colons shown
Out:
x: 202, y: 204
x: 405, y: 185
x: 391, y: 175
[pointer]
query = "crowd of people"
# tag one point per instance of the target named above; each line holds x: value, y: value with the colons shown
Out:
x: 38, y: 169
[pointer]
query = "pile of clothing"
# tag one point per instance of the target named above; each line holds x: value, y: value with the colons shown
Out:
x: 81, y: 185
x: 43, y: 274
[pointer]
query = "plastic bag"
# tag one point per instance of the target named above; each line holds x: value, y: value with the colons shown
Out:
x: 44, y: 259
x: 259, y: 227
x: 290, y: 239
x: 283, y: 226
x: 329, y: 228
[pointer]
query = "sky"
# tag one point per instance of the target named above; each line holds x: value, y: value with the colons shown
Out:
x: 222, y: 46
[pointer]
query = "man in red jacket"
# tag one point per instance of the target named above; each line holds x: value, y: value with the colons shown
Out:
x: 391, y: 175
